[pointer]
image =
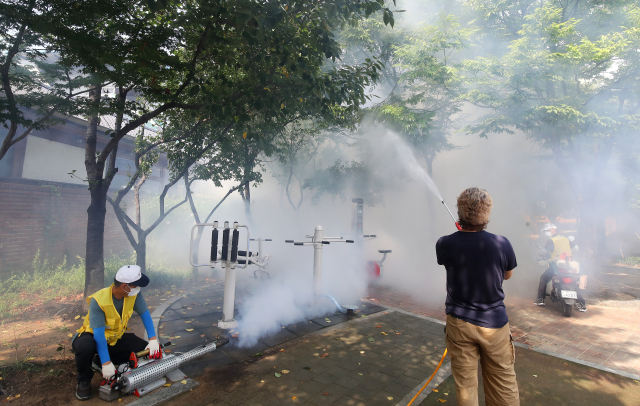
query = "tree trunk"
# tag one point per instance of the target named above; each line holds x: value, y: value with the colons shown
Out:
x: 94, y: 271
x: 141, y: 251
x: 247, y: 204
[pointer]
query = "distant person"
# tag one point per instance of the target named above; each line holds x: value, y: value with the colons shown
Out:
x: 554, y: 248
x: 104, y: 329
x: 477, y: 263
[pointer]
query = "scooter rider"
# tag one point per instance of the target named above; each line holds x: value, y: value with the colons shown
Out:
x: 556, y: 246
x: 105, y: 326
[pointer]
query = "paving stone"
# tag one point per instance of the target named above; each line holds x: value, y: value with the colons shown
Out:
x: 278, y: 338
x: 320, y: 399
x: 304, y: 327
x: 169, y: 315
x: 329, y: 320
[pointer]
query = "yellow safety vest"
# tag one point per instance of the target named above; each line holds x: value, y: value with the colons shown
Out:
x: 560, y: 245
x: 115, y: 326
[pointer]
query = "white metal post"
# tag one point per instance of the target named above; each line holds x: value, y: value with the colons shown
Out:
x: 317, y: 259
x: 228, y: 322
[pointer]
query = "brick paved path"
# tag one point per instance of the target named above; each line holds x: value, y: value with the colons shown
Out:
x: 370, y: 361
x: 603, y: 335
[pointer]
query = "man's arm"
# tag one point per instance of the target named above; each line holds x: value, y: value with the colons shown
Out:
x: 97, y: 323
x: 140, y: 307
x: 508, y: 274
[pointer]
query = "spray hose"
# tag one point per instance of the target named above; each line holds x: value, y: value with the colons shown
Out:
x: 430, y: 378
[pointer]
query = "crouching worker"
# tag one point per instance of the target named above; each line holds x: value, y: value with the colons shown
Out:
x: 477, y: 263
x: 104, y: 329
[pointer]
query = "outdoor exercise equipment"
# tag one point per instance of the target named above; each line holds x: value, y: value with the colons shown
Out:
x: 318, y: 240
x: 374, y: 268
x: 228, y: 258
x: 251, y: 258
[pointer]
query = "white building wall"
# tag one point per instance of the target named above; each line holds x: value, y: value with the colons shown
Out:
x: 52, y: 161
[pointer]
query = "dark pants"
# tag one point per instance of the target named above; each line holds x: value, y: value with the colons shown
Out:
x: 85, y: 349
x: 544, y: 280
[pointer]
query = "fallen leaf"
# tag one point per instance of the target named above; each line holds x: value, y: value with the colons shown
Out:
x: 371, y: 339
x: 378, y: 326
x: 184, y: 381
x: 390, y: 397
x: 535, y: 376
x: 17, y: 396
x: 294, y: 398
x: 361, y: 352
x: 277, y: 375
x: 188, y: 321
x: 70, y: 335
x: 442, y: 400
x: 383, y: 333
x: 435, y: 390
x: 257, y: 354
x: 189, y: 329
x: 446, y: 394
x: 167, y: 384
x: 326, y: 393
x: 167, y: 292
x: 568, y: 364
x: 360, y: 373
x: 77, y: 317
x: 316, y: 354
x: 325, y: 355
x: 285, y: 371
x: 201, y: 335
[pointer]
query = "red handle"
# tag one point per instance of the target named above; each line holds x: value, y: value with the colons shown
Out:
x: 458, y: 226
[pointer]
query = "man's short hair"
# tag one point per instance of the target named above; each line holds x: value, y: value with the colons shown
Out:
x: 474, y: 208
x: 116, y: 283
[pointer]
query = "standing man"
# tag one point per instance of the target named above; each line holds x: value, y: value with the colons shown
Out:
x: 477, y: 262
x: 556, y: 246
x: 104, y: 329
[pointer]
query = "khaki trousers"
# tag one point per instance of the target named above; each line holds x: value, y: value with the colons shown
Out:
x: 466, y: 343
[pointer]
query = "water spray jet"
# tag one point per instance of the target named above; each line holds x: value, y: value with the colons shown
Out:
x: 454, y: 219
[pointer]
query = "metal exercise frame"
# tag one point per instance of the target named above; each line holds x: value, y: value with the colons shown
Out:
x: 228, y: 260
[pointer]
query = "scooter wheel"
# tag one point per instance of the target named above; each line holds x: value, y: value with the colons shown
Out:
x: 567, y: 309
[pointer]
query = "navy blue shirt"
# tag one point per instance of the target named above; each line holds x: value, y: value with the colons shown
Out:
x: 475, y: 264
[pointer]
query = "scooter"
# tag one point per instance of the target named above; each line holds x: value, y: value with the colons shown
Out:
x: 563, y: 286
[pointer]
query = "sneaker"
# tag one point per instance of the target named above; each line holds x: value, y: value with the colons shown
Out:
x: 83, y: 390
x: 539, y: 302
x: 581, y: 307
x: 95, y: 364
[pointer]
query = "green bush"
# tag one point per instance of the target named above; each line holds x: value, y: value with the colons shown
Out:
x: 47, y: 281
x: 633, y: 261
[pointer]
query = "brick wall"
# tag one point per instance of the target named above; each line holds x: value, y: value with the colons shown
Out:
x: 51, y: 217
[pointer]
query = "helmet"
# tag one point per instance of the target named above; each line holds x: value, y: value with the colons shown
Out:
x: 549, y: 226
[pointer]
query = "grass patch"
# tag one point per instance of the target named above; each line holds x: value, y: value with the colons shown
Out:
x: 47, y: 281
x: 632, y: 261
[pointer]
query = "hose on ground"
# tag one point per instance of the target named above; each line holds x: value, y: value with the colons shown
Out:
x: 430, y: 378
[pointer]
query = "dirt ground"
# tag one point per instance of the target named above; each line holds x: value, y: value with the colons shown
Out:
x: 36, y: 366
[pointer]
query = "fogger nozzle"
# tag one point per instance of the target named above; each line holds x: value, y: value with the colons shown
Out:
x: 454, y: 219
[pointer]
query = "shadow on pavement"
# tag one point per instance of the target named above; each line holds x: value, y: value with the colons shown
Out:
x: 545, y: 380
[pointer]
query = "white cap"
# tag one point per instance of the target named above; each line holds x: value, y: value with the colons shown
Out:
x: 132, y: 274
x: 549, y: 226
